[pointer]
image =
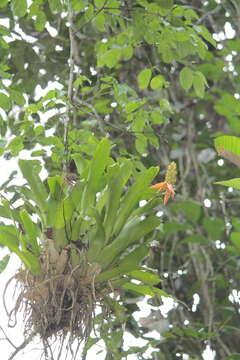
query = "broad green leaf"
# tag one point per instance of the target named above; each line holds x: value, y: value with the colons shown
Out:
x: 55, y: 6
x: 229, y: 148
x: 30, y: 171
x: 99, y: 3
x: 157, y: 82
x: 97, y: 166
x: 144, y: 78
x: 59, y: 213
x: 6, y: 211
x: 174, y: 226
x: 191, y: 209
x: 19, y: 7
x: 140, y: 289
x: 78, y: 5
x: 17, y: 97
x: 118, y: 177
x: 100, y: 21
x: 133, y: 105
x: 128, y: 263
x: 145, y: 277
x: 199, y: 83
x: 9, y: 238
x: 203, y: 31
x: 235, y: 238
x: 5, y: 102
x: 214, y: 226
x: 40, y: 21
x: 133, y: 197
x: 133, y: 231
x: 141, y: 143
x: 96, y: 238
x: 234, y: 183
x: 186, y: 78
x: 4, y: 262
x: 3, y: 3
x: 110, y: 58
x: 31, y: 231
x: 157, y: 117
x: 166, y: 4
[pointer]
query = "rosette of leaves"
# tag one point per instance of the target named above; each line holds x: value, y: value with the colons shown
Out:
x: 80, y: 240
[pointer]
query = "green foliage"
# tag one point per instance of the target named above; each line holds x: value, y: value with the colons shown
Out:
x: 149, y: 77
x: 107, y: 222
x: 4, y: 262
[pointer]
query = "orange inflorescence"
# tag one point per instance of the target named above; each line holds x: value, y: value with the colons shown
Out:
x: 164, y: 186
x: 167, y: 185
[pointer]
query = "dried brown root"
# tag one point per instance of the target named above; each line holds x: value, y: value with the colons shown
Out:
x: 60, y: 303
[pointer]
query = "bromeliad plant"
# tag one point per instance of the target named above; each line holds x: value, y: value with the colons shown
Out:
x: 79, y: 240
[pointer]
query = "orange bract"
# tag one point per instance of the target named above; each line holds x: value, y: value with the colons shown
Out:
x: 164, y: 186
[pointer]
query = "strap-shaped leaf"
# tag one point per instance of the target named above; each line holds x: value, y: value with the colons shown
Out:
x: 30, y: 171
x: 9, y: 238
x: 128, y: 263
x: 234, y: 183
x: 229, y: 148
x: 133, y: 231
x: 133, y: 197
x: 4, y: 262
x: 9, y: 213
x: 97, y: 166
x: 145, y: 277
x: 31, y: 231
x: 118, y: 177
x: 144, y: 289
x: 96, y: 238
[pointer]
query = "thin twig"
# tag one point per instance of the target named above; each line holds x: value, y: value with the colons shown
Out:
x: 23, y: 345
x: 7, y: 338
x: 70, y: 87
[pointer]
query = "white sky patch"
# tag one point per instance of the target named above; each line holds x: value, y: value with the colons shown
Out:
x: 229, y: 31
x: 208, y: 353
x: 234, y: 297
x: 207, y: 203
x: 142, y: 203
x: 52, y: 31
x: 40, y: 92
x: 220, y: 162
x: 196, y: 301
x: 93, y: 71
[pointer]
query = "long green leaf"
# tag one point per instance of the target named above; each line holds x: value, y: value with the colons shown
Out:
x: 9, y: 213
x: 145, y: 277
x: 4, y: 262
x: 133, y: 197
x: 30, y: 171
x: 229, y: 148
x: 235, y: 183
x: 118, y: 176
x: 31, y: 231
x: 144, y: 289
x: 139, y: 288
x: 98, y: 165
x: 9, y: 238
x: 128, y: 263
x: 132, y: 232
x: 96, y: 238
